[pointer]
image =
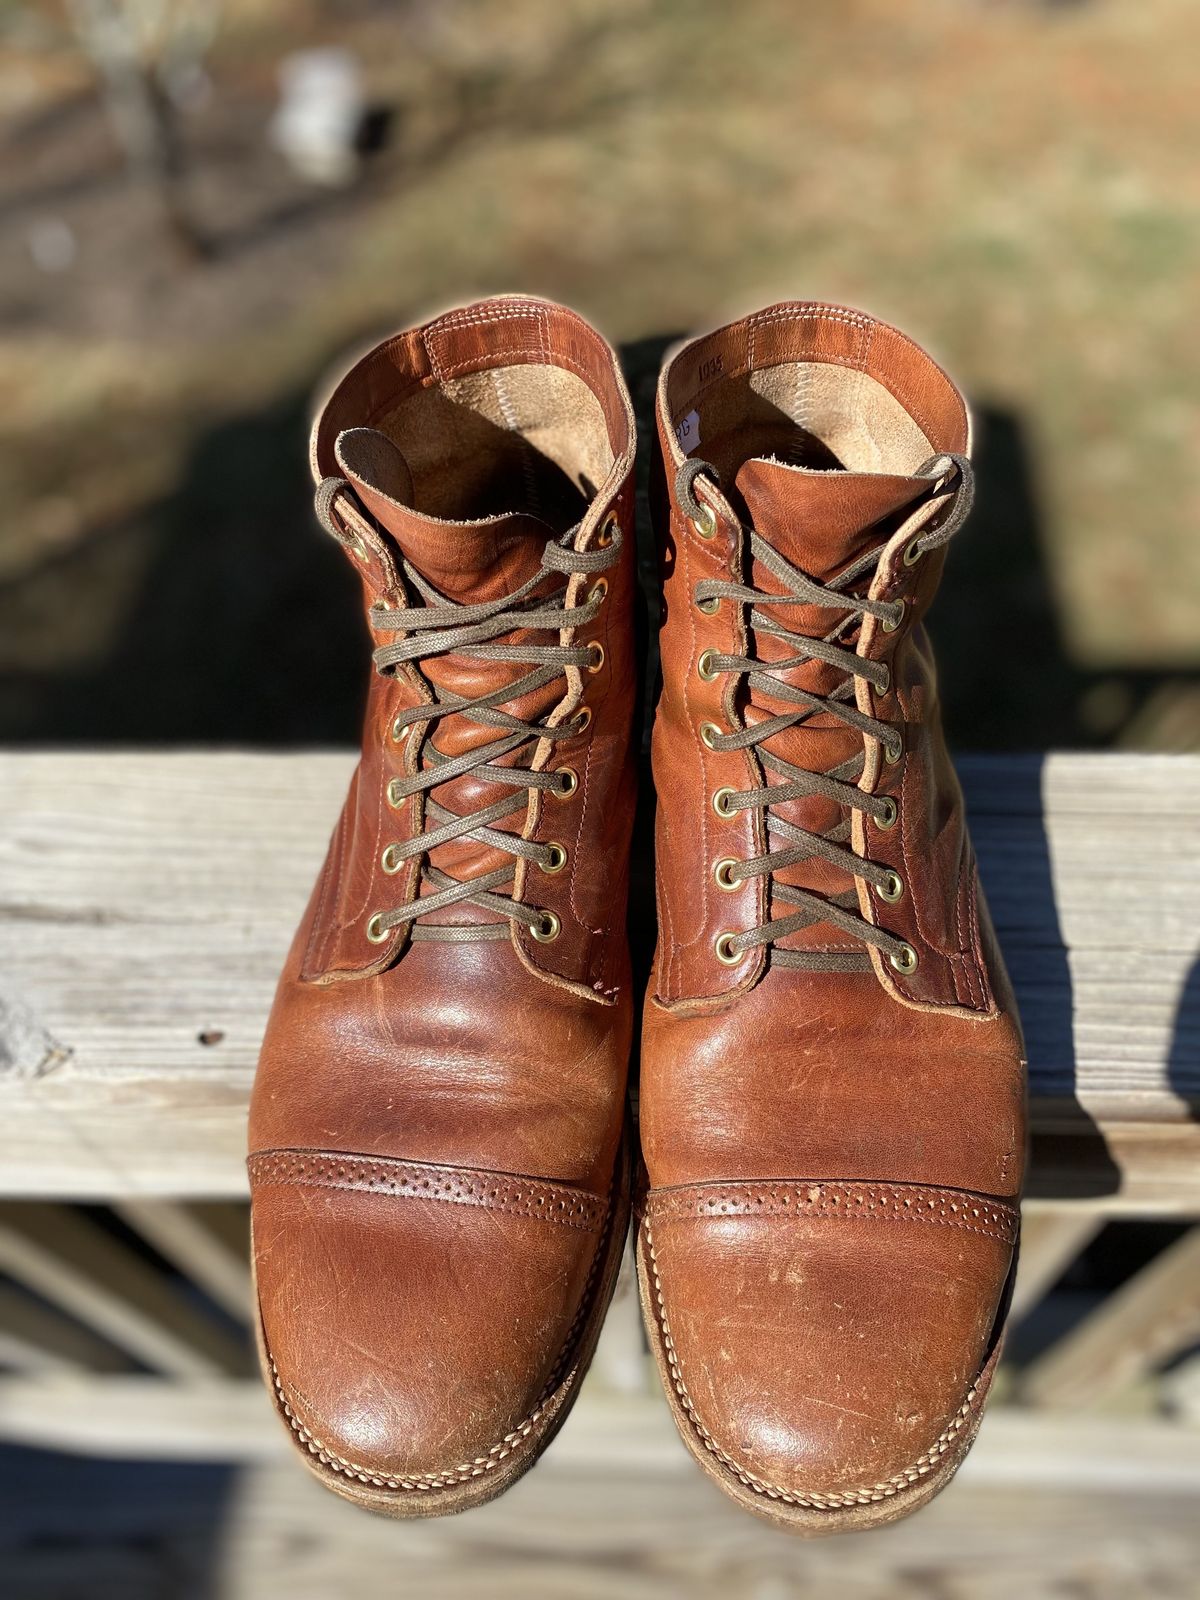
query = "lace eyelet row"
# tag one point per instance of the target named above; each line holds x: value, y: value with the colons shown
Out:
x: 554, y: 856
x: 903, y: 959
x: 728, y: 881
x: 883, y: 810
x: 548, y: 928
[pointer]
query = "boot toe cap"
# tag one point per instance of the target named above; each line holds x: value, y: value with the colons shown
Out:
x: 418, y: 1321
x: 825, y: 1342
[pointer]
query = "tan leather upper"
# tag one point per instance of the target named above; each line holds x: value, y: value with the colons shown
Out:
x: 833, y: 1156
x: 435, y: 1126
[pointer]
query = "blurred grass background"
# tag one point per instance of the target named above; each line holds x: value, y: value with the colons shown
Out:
x: 1015, y: 184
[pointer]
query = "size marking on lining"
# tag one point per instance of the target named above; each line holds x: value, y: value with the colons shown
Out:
x: 688, y: 432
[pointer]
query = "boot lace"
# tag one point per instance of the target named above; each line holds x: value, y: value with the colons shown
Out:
x: 440, y: 627
x: 950, y: 474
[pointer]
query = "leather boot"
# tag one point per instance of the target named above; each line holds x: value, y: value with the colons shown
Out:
x: 438, y: 1158
x: 833, y: 1091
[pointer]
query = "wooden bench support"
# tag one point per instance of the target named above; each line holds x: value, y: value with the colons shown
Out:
x: 1148, y: 1321
x: 72, y: 1263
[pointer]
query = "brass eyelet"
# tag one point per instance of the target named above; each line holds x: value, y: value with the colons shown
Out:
x: 558, y: 858
x: 893, y: 750
x: 913, y: 553
x: 708, y: 732
x: 376, y: 933
x: 888, y: 625
x: 547, y: 928
x: 723, y: 875
x: 568, y: 782
x: 709, y: 606
x: 720, y: 802
x: 394, y: 799
x: 726, y: 956
x: 596, y: 650
x: 891, y: 812
x: 390, y: 861
x: 706, y: 523
x: 904, y: 959
x: 610, y: 526
x: 400, y: 730
x: 885, y: 686
x: 892, y: 890
x: 704, y: 665
x: 581, y: 721
x: 597, y: 591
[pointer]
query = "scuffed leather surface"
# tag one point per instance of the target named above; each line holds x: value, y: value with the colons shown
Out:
x: 455, y: 1055
x: 822, y: 1076
x: 823, y: 1350
x: 429, y: 1330
x: 829, y: 1351
x: 412, y: 1329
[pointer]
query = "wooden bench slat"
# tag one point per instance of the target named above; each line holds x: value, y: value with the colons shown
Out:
x: 147, y: 900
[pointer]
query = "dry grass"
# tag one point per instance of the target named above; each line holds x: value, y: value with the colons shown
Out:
x: 1016, y: 185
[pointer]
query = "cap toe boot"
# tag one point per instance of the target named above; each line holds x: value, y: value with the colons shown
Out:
x: 833, y: 1091
x: 439, y: 1165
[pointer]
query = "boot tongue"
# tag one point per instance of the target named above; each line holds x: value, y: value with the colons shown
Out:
x: 821, y: 521
x: 468, y: 562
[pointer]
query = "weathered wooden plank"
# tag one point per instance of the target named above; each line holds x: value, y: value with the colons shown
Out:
x: 36, y: 1337
x: 589, y: 1535
x: 1091, y: 864
x: 147, y: 901
x: 1114, y: 1168
x: 147, y: 906
x: 1180, y: 1391
x: 1050, y: 1241
x: 79, y: 1527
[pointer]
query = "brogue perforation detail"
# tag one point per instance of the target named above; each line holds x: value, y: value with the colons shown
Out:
x: 841, y: 1201
x: 465, y: 1186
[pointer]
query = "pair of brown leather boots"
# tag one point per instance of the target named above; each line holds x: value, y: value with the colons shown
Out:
x: 832, y: 1084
